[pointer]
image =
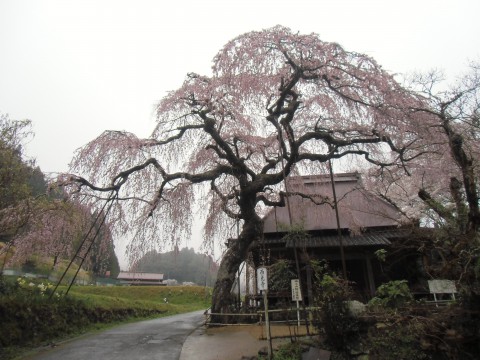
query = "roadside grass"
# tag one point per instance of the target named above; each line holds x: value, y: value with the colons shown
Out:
x: 180, y: 299
x: 30, y: 319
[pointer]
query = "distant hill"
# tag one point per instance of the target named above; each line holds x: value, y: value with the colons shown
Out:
x: 183, y: 265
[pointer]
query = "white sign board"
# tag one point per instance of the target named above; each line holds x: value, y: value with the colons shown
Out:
x: 442, y: 286
x: 296, y: 293
x: 262, y: 279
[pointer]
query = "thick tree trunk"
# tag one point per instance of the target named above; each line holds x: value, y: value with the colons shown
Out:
x: 466, y: 165
x: 237, y: 253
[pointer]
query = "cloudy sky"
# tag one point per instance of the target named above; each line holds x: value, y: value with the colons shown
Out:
x: 76, y: 68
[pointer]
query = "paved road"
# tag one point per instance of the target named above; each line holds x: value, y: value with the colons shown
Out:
x: 146, y: 340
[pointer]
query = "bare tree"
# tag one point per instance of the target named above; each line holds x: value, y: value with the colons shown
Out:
x: 443, y: 188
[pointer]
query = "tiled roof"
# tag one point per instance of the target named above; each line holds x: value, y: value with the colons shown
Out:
x: 369, y: 239
x: 348, y: 241
x: 357, y: 207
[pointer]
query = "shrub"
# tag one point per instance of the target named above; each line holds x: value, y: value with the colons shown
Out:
x: 6, y: 287
x: 288, y: 351
x: 331, y: 295
x: 392, y: 294
x: 280, y: 275
x: 396, y: 339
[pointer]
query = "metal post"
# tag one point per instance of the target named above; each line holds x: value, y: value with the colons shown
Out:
x: 267, y: 324
x: 298, y: 313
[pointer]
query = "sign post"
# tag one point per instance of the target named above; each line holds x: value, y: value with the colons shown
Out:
x: 262, y: 285
x: 296, y: 296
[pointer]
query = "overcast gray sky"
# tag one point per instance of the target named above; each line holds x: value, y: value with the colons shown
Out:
x: 76, y: 68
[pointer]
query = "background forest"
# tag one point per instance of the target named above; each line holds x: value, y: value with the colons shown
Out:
x: 183, y: 265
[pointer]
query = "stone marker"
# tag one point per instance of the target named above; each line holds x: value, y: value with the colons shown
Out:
x: 316, y: 354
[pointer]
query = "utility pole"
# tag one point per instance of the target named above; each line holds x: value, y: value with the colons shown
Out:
x: 339, y: 230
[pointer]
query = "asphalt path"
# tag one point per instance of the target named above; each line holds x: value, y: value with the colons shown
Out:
x: 161, y: 339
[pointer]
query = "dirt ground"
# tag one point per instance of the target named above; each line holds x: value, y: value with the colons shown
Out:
x: 235, y: 342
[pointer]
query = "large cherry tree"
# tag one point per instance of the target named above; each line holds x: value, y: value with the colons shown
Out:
x: 276, y: 103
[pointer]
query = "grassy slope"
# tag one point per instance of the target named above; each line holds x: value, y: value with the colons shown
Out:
x: 180, y: 298
x: 103, y: 307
